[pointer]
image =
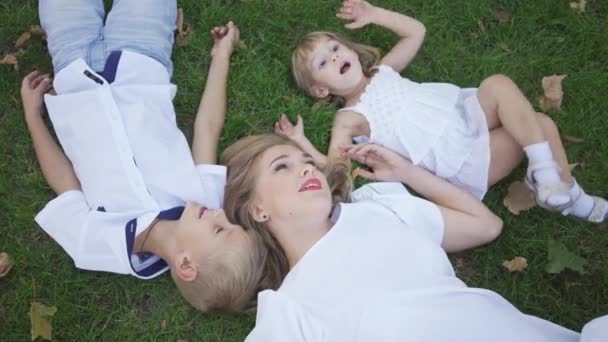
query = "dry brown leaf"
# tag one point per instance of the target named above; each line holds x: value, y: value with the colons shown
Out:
x: 163, y: 324
x: 553, y: 93
x: 504, y: 47
x: 5, y: 264
x: 580, y: 6
x: 317, y: 105
x: 481, y: 25
x: 10, y: 59
x: 518, y: 198
x: 22, y: 40
x: 183, y: 36
x: 241, y: 45
x: 40, y: 316
x: 572, y: 166
x: 38, y: 31
x: 516, y: 264
x: 572, y: 139
x: 503, y: 16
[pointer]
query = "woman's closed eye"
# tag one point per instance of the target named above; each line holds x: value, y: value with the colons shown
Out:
x: 218, y: 229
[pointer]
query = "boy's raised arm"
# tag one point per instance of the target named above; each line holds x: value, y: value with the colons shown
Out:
x: 55, y: 166
x: 212, y: 109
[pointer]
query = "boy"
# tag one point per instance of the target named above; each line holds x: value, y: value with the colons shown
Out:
x: 127, y: 170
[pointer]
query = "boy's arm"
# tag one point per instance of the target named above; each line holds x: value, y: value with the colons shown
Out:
x: 212, y: 109
x: 55, y: 166
x: 410, y: 30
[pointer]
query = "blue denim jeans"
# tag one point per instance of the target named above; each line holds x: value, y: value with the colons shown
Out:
x: 76, y: 29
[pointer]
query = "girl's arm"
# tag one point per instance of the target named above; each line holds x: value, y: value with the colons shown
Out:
x: 295, y: 133
x: 410, y: 30
x: 467, y: 221
x: 212, y: 109
x: 55, y: 166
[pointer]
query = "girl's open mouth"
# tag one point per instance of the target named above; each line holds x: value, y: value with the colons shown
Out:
x: 344, y: 68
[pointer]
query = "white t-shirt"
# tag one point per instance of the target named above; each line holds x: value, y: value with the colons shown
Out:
x: 134, y: 164
x: 380, y: 274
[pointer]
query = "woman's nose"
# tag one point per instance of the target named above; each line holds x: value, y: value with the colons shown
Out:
x: 307, y: 170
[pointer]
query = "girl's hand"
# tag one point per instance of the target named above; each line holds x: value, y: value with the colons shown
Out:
x: 225, y: 39
x: 286, y: 129
x: 33, y: 88
x: 359, y: 11
x: 385, y: 164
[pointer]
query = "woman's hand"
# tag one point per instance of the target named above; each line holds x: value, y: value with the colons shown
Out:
x: 286, y: 129
x: 225, y: 39
x: 33, y: 88
x: 360, y: 12
x: 385, y: 164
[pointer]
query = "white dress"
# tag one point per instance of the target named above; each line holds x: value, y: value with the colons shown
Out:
x: 438, y: 126
x: 380, y: 274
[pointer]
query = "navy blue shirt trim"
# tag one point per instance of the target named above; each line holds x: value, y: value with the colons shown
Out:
x: 109, y: 71
x: 130, y: 229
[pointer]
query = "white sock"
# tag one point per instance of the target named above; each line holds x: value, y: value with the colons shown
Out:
x: 541, y: 153
x: 581, y: 208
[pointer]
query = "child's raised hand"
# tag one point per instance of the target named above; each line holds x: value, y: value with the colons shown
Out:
x: 286, y: 129
x: 385, y: 164
x: 33, y: 88
x: 359, y: 11
x: 225, y: 39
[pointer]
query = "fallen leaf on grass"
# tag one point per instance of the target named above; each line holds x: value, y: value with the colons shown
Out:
x: 553, y: 93
x: 241, y: 45
x: 572, y: 166
x: 516, y: 264
x: 5, y: 264
x: 518, y: 198
x: 10, y: 59
x: 503, y: 16
x: 560, y: 258
x: 38, y: 31
x: 580, y: 5
x: 481, y: 25
x: 22, y: 40
x: 315, y: 107
x: 504, y: 47
x: 163, y: 324
x: 40, y: 316
x: 572, y: 139
x: 183, y: 36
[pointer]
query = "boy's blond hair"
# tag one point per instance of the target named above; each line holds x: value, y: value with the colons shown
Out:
x: 369, y: 56
x: 226, y: 281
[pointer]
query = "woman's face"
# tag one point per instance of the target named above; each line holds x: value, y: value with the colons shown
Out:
x: 289, y: 187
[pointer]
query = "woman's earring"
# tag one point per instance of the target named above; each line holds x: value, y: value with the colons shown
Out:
x: 265, y: 217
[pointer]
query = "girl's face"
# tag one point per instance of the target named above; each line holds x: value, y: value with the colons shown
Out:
x: 289, y: 187
x: 334, y: 67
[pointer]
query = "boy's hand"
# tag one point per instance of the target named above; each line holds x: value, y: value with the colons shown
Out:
x: 359, y: 11
x: 225, y: 39
x: 286, y: 129
x: 33, y: 88
x: 385, y: 164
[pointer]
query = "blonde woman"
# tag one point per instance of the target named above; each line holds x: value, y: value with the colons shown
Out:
x: 372, y: 270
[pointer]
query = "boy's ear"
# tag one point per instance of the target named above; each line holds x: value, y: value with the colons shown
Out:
x: 185, y: 267
x: 320, y: 91
x: 258, y: 213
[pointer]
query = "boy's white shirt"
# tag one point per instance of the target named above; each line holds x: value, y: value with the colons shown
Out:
x: 380, y: 275
x: 131, y: 159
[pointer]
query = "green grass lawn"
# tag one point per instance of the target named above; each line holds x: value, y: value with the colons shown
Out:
x: 543, y: 37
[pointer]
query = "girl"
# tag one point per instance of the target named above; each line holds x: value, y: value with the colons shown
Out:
x: 375, y: 269
x: 471, y: 137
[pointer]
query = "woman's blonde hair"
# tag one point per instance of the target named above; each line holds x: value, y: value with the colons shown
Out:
x: 369, y: 56
x: 240, y: 158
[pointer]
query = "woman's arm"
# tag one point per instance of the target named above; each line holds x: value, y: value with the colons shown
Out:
x: 55, y: 166
x: 410, y: 30
x: 467, y: 221
x: 211, y: 113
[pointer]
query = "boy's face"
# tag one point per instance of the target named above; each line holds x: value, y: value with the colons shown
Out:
x: 335, y: 66
x: 207, y: 233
